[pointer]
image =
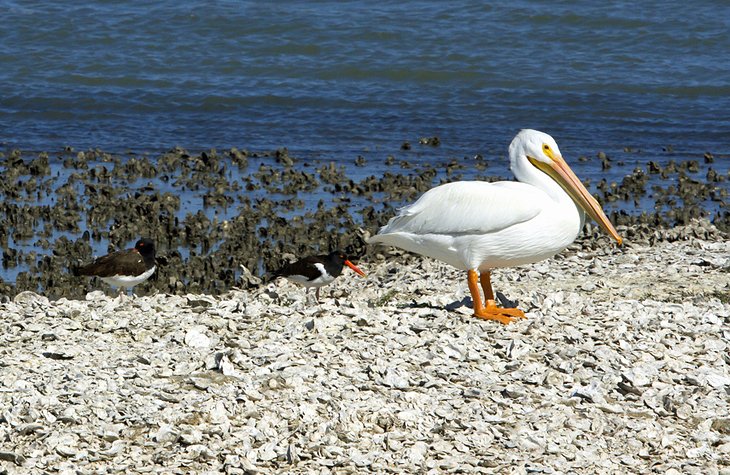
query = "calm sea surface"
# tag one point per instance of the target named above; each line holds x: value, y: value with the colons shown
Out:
x: 336, y: 78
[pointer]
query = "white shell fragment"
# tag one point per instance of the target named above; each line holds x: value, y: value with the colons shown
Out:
x: 621, y: 367
x: 197, y: 338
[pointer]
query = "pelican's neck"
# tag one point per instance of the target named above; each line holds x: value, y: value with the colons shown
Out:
x: 525, y: 172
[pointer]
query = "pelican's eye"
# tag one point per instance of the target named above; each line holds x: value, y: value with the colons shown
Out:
x: 547, y: 150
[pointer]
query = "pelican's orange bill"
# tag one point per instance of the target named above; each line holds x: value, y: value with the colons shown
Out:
x: 354, y: 268
x: 559, y: 170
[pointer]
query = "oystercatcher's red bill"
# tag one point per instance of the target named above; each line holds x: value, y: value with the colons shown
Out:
x: 355, y: 268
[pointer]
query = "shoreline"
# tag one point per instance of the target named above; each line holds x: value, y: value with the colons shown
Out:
x: 621, y: 366
x: 211, y: 212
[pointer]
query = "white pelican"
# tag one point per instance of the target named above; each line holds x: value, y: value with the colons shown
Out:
x: 478, y: 226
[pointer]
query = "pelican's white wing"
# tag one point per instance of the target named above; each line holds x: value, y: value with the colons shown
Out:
x: 467, y: 207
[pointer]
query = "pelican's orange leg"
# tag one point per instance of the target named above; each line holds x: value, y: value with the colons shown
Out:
x: 485, y: 278
x: 491, y: 311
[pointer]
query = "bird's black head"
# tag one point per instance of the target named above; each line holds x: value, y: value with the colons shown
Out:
x: 146, y: 247
x: 337, y: 257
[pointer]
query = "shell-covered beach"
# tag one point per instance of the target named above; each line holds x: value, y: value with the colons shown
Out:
x: 227, y: 140
x: 621, y: 367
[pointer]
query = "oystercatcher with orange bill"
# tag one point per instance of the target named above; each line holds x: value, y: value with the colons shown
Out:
x: 317, y: 271
x: 123, y: 269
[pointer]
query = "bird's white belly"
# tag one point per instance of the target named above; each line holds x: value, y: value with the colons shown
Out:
x: 128, y: 281
x: 318, y: 282
x: 523, y: 243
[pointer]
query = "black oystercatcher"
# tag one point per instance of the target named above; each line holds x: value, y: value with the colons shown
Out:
x: 317, y: 271
x: 123, y: 269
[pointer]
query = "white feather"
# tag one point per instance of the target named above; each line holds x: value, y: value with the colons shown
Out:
x: 468, y: 207
x: 128, y: 281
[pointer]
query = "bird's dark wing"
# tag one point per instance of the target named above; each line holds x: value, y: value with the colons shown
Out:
x: 304, y: 267
x: 117, y: 263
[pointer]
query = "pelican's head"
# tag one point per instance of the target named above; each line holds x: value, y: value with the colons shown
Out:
x: 533, y: 144
x: 532, y: 148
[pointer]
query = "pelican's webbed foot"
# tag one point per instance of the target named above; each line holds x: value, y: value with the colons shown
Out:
x: 503, y: 315
x: 490, y: 311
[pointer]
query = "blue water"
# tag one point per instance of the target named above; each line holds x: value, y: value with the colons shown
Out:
x: 339, y: 78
